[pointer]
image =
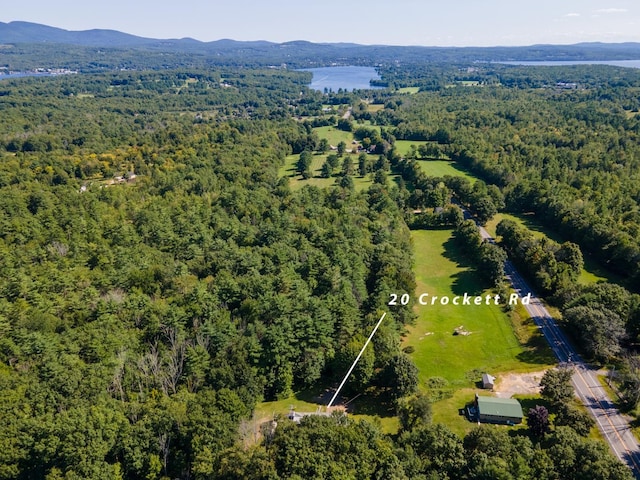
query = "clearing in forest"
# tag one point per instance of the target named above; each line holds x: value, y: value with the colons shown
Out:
x: 493, y: 341
x: 334, y: 137
x: 440, y: 168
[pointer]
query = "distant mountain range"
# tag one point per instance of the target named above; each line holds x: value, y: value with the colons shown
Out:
x: 41, y: 41
x: 27, y: 32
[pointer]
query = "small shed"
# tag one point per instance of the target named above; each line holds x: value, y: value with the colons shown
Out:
x: 488, y: 381
x: 499, y: 410
x: 296, y: 417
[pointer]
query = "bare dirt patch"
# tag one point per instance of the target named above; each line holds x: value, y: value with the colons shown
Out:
x: 510, y: 384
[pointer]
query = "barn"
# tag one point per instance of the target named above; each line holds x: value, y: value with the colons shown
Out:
x: 499, y: 410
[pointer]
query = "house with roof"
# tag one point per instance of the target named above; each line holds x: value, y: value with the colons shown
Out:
x: 498, y: 410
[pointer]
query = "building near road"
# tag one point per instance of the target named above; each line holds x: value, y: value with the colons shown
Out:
x: 498, y: 410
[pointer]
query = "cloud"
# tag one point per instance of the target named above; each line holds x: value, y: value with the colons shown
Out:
x: 612, y: 10
x: 572, y: 15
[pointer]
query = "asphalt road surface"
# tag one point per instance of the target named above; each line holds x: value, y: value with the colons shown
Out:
x: 614, y: 427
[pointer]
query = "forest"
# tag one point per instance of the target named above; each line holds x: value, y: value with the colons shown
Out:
x: 159, y: 278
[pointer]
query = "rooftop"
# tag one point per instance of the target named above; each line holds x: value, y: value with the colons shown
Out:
x: 503, y: 407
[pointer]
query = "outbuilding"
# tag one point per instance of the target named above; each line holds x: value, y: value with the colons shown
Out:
x: 499, y: 410
x: 488, y: 381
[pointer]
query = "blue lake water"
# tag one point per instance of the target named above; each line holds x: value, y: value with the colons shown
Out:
x: 346, y: 78
x: 7, y: 76
x: 615, y: 63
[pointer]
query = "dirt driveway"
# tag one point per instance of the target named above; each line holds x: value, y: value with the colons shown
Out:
x: 511, y: 383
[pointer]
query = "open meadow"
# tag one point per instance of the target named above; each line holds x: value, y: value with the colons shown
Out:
x: 493, y: 341
x: 440, y: 168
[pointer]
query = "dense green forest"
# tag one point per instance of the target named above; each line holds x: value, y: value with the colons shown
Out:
x: 158, y: 278
x: 173, y: 298
x: 568, y: 155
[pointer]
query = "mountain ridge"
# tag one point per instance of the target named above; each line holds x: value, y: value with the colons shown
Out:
x: 35, y: 44
x: 19, y: 31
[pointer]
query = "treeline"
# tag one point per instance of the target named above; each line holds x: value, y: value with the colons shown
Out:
x: 554, y: 267
x: 357, y: 449
x: 488, y: 256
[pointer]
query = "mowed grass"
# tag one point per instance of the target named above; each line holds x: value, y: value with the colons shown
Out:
x: 440, y: 168
x: 363, y: 407
x: 592, y: 271
x: 334, y: 136
x: 492, y: 346
x: 410, y: 90
x: 403, y: 146
x: 498, y: 343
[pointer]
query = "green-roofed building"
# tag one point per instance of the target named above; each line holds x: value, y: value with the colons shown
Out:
x: 499, y: 410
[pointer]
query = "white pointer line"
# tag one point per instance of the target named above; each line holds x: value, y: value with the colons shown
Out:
x: 344, y: 380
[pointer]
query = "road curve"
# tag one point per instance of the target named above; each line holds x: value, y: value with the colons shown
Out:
x: 613, y: 425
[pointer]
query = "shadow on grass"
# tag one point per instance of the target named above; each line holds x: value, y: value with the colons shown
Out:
x: 528, y: 402
x: 373, y: 402
x: 466, y: 281
x: 537, y: 351
x: 532, y: 223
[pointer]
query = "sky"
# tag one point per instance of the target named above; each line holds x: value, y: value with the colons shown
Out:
x: 396, y: 22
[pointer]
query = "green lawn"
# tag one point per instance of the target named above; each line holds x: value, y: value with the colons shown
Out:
x: 334, y: 136
x: 497, y: 343
x: 403, y: 145
x: 492, y: 345
x: 440, y: 168
x: 592, y: 271
x: 362, y: 407
x: 410, y: 90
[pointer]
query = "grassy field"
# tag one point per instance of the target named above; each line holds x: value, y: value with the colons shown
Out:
x: 334, y: 136
x: 497, y: 343
x: 492, y: 345
x: 363, y: 407
x: 440, y: 168
x: 592, y: 271
x: 410, y: 90
x: 404, y: 145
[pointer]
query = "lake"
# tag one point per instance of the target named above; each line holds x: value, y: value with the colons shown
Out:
x: 346, y: 78
x: 7, y: 76
x: 615, y: 63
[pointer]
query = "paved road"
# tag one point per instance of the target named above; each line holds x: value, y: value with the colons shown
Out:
x: 614, y: 427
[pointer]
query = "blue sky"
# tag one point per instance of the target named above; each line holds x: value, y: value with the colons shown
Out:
x: 397, y: 22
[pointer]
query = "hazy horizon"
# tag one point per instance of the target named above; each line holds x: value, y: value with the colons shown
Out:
x: 405, y: 22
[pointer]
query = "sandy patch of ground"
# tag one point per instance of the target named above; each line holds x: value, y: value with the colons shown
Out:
x: 509, y: 384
